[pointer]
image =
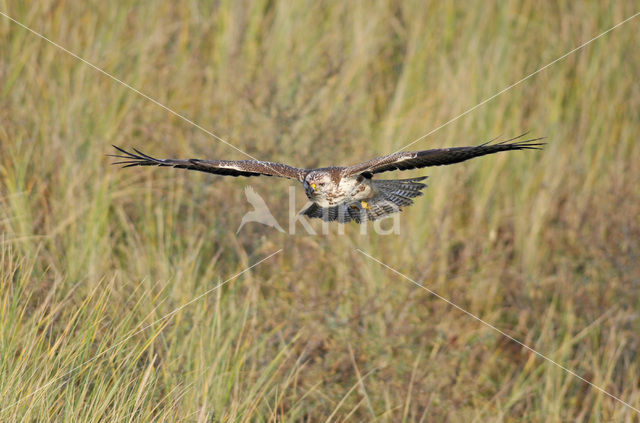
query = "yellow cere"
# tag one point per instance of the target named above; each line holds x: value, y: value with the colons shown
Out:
x: 313, y: 186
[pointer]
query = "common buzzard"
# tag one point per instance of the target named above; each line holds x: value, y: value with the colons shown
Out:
x: 344, y: 193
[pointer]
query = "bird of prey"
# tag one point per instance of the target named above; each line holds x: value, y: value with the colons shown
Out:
x: 344, y: 193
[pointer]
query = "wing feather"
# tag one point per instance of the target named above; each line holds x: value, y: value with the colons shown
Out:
x: 218, y: 167
x: 438, y: 157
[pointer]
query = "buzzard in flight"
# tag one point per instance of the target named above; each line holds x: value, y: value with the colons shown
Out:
x: 344, y: 193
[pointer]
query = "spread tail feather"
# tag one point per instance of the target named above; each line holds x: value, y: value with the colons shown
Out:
x: 391, y: 196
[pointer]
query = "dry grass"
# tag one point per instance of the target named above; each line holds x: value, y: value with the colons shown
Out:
x: 546, y: 246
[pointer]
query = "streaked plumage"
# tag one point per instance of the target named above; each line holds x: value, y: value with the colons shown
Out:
x: 344, y: 193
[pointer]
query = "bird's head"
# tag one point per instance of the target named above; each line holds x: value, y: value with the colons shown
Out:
x: 316, y: 184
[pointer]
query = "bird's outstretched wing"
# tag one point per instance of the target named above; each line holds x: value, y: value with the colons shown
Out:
x: 219, y: 167
x: 438, y: 157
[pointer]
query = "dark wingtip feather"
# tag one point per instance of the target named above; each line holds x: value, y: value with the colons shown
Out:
x: 139, y: 159
x: 153, y: 159
x: 490, y: 141
x: 133, y: 162
x: 121, y: 150
x: 529, y: 144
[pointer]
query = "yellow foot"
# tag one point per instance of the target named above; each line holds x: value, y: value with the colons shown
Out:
x: 365, y: 205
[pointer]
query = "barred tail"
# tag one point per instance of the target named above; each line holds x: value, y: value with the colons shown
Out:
x: 400, y: 191
x: 389, y: 197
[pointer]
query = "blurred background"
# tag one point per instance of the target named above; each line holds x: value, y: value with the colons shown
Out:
x: 544, y: 245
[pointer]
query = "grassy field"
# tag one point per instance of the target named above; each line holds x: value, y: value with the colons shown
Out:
x: 94, y: 260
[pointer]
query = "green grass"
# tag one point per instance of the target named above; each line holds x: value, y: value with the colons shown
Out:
x: 544, y: 245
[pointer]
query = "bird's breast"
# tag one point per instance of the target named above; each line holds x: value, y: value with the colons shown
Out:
x: 353, y: 189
